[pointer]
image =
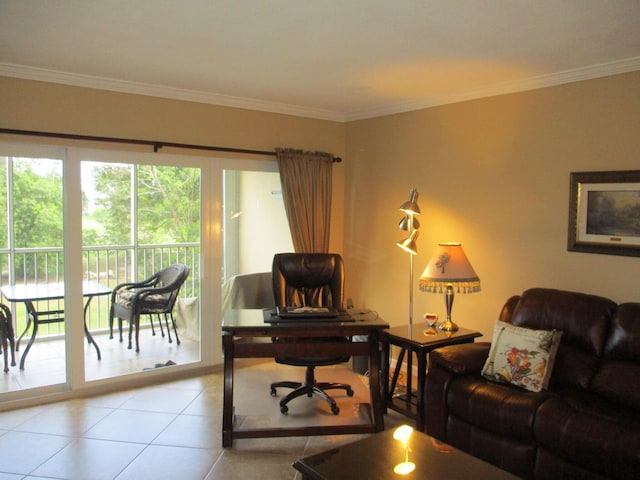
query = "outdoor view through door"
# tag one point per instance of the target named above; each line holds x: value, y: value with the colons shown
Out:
x: 31, y: 253
x: 136, y: 221
x: 131, y: 215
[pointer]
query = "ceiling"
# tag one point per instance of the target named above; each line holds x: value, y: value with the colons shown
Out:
x: 340, y: 60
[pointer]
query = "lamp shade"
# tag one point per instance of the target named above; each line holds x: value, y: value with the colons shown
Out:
x: 409, y: 244
x: 449, y: 266
x: 408, y: 223
x: 411, y: 207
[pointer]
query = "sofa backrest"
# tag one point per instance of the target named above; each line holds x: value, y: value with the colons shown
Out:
x: 584, y: 320
x: 618, y: 378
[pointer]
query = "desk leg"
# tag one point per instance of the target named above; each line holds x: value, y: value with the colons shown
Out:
x: 86, y: 330
x: 33, y: 318
x: 374, y: 381
x: 422, y: 373
x: 227, y: 398
x: 385, y: 375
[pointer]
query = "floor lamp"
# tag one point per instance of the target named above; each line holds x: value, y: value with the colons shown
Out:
x: 411, y: 224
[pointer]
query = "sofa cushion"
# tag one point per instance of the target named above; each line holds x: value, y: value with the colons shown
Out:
x: 583, y: 429
x: 618, y: 378
x: 497, y: 408
x: 584, y: 321
x: 521, y: 356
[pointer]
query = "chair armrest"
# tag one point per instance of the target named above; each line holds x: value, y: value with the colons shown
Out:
x: 461, y: 359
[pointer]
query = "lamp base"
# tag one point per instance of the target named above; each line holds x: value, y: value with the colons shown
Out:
x: 448, y: 326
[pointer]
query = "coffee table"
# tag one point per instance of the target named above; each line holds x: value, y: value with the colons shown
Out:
x: 376, y: 456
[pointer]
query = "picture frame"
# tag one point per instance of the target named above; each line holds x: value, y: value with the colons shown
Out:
x: 604, y: 212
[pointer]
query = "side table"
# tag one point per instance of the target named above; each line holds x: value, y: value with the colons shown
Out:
x: 413, y: 341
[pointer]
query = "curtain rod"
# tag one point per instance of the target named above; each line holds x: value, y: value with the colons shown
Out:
x: 157, y: 145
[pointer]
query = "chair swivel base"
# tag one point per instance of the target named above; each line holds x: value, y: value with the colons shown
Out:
x: 310, y: 388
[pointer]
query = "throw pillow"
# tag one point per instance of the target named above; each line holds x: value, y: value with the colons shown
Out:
x: 521, y: 356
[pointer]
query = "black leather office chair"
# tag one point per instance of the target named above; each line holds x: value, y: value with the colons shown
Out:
x: 309, y: 280
x: 155, y: 295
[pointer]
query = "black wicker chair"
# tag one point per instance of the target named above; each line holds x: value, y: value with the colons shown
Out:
x: 155, y: 295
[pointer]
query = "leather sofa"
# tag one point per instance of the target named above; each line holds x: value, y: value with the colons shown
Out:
x: 585, y: 425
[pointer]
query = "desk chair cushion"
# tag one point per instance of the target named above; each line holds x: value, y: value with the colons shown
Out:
x: 311, y: 361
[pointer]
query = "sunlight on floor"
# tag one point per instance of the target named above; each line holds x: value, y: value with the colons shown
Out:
x: 45, y: 363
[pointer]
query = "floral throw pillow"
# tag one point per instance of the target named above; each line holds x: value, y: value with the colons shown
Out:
x: 521, y: 356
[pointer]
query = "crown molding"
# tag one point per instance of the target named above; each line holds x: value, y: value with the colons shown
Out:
x: 137, y: 88
x: 502, y: 88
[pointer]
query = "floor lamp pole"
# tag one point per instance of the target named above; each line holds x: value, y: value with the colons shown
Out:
x: 410, y: 292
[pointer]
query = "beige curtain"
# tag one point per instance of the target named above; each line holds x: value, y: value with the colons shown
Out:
x: 306, y: 190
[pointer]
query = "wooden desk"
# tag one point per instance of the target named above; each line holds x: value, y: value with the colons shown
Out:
x: 240, y: 325
x: 414, y: 341
x: 34, y: 292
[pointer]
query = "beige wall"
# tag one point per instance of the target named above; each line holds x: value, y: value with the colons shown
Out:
x: 39, y: 106
x: 493, y: 174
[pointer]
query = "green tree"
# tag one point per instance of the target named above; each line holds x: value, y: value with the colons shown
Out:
x: 37, y: 203
x: 168, y: 204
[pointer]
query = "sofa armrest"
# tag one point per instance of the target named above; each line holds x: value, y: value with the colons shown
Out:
x: 461, y: 359
x: 445, y: 364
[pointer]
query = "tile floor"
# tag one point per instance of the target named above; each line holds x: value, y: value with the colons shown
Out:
x: 173, y: 430
x: 45, y: 363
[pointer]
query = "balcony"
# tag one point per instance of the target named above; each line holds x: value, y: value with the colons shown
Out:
x: 110, y: 266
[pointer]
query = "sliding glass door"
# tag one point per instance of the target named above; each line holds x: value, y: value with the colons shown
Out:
x: 32, y: 264
x: 138, y: 219
x: 78, y: 222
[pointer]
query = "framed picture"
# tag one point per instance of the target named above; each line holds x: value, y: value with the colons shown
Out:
x: 604, y: 212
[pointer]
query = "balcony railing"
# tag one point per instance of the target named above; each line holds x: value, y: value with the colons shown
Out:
x: 109, y: 265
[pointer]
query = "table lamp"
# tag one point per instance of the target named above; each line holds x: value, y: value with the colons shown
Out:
x: 449, y: 270
x: 410, y: 223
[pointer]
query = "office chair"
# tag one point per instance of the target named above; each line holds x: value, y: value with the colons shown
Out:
x: 309, y: 280
x: 155, y: 295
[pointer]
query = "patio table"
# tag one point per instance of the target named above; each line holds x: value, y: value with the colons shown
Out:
x: 34, y: 292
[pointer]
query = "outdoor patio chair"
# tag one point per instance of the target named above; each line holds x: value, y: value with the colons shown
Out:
x: 7, y: 337
x: 155, y: 295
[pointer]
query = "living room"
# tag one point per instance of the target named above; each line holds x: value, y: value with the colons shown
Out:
x: 492, y: 173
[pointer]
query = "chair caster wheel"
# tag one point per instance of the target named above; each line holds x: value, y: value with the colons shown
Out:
x: 335, y: 409
x: 350, y: 392
x: 284, y: 409
x: 273, y: 392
